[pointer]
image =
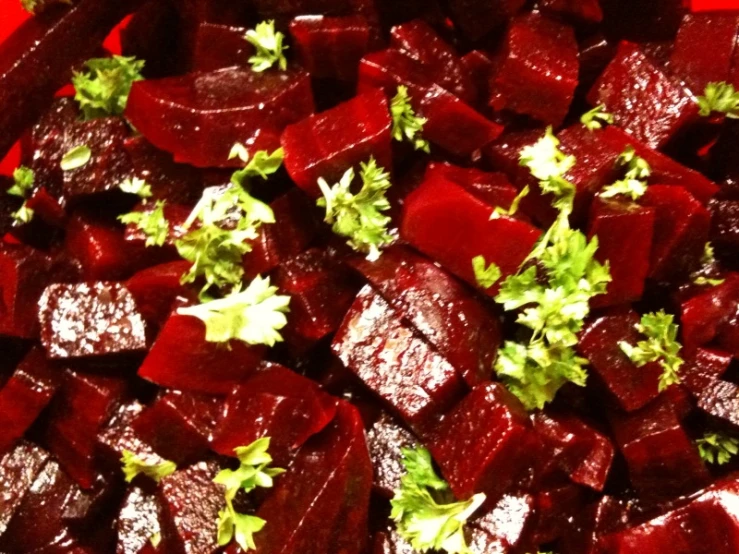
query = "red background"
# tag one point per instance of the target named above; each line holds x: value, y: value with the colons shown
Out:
x: 712, y: 5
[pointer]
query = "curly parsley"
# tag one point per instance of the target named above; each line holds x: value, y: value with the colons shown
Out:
x: 134, y: 465
x: 634, y: 183
x: 719, y: 97
x: 22, y: 187
x: 103, y: 90
x: 406, y: 124
x: 136, y: 186
x: 269, y: 47
x: 717, y: 448
x: 596, y: 118
x: 151, y: 222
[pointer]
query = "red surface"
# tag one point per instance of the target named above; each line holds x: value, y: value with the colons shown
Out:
x: 713, y: 5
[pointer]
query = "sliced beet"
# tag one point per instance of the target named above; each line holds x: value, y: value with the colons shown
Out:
x: 119, y: 435
x: 385, y: 439
x: 90, y: 319
x: 606, y: 515
x: 484, y: 443
x: 538, y: 69
x: 728, y: 335
x: 556, y: 509
x: 703, y: 368
x: 703, y: 315
x: 492, y: 188
x: 321, y: 504
x: 176, y: 216
x: 200, y: 116
x: 480, y: 65
x: 451, y: 226
x: 505, y: 527
x: 644, y: 100
x: 153, y: 34
x: 181, y: 358
x: 445, y: 312
x: 277, y: 8
x: 585, y: 11
x: 724, y: 225
x: 18, y: 470
x: 156, y: 289
x: 314, y: 147
x: 394, y: 363
x: 720, y: 400
x: 477, y: 19
x: 137, y: 521
x: 216, y: 46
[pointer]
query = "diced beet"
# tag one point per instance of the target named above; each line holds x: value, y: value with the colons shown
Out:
x: 631, y: 386
x: 315, y: 148
x: 492, y: 188
x: 663, y: 462
x: 46, y: 207
x: 24, y: 274
x: 90, y: 319
x: 451, y: 226
x: 624, y: 232
x: 724, y: 225
x: 137, y: 521
x: 331, y: 47
x: 728, y: 335
x: 446, y: 313
x: 178, y: 425
x: 681, y: 228
x: 704, y: 49
x: 556, y: 508
x: 198, y: 117
x: 537, y: 73
x: 484, y: 444
x: 176, y: 216
x: 218, y: 45
x: 703, y: 315
x: 645, y: 101
x: 581, y: 451
x: 395, y: 364
x: 420, y: 41
x: 477, y: 19
x: 18, y: 470
x: 451, y: 123
x: 156, y: 289
x: 83, y: 508
x: 34, y: 65
x: 703, y: 368
x: 190, y: 503
x: 720, y: 400
x: 607, y: 515
x: 321, y: 504
x: 480, y: 65
x: 277, y: 8
x: 385, y: 439
x: 24, y: 396
x: 153, y: 34
x: 119, y: 435
x: 587, y: 11
x: 505, y: 527
x: 181, y: 358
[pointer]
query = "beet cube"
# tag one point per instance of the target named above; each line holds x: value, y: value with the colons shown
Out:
x: 505, y: 527
x: 394, y: 363
x: 632, y: 387
x: 724, y: 225
x: 321, y: 504
x: 175, y: 214
x: 385, y: 439
x: 198, y: 117
x: 645, y: 101
x: 484, y: 443
x: 446, y: 313
x: 556, y: 509
x: 119, y: 435
x: 314, y: 148
x: 18, y: 470
x: 585, y: 11
x: 720, y: 400
x: 477, y: 19
x: 216, y: 46
x: 492, y: 188
x: 157, y: 288
x: 90, y: 319
x: 451, y: 226
x: 154, y: 34
x: 681, y: 228
x: 137, y: 521
x: 703, y: 315
x: 537, y: 74
x: 703, y: 368
x: 277, y: 8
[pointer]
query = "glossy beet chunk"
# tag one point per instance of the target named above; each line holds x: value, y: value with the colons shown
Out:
x: 493, y: 188
x: 216, y: 46
x: 18, y: 470
x: 477, y: 19
x: 137, y: 521
x: 582, y: 11
x: 154, y: 34
x: 119, y: 435
x: 90, y: 319
x: 556, y: 509
x: 703, y: 315
x: 198, y: 117
x: 385, y: 440
x: 703, y: 368
x: 156, y: 289
x: 327, y: 144
x: 394, y: 363
x: 720, y: 400
x: 505, y: 527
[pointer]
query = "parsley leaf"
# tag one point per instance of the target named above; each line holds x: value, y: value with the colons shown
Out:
x: 34, y: 6
x: 136, y: 186
x: 359, y: 216
x: 485, y: 275
x: 661, y: 346
x: 103, y: 90
x: 261, y: 165
x: 151, y: 222
x: 76, y: 157
x: 717, y: 448
x: 719, y: 97
x: 548, y: 164
x: 155, y: 539
x: 419, y: 509
x: 500, y: 212
x: 596, y: 118
x: 23, y: 181
x: 406, y: 124
x: 634, y: 182
x: 269, y: 47
x: 133, y: 466
x: 254, y: 315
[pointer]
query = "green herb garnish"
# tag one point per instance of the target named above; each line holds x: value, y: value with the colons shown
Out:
x: 134, y: 465
x: 596, y: 118
x: 485, y: 275
x: 406, y: 124
x: 103, y: 90
x: 261, y: 165
x: 634, y: 183
x: 151, y: 222
x: 717, y: 448
x: 136, y: 186
x: 269, y: 47
x: 719, y: 97
x: 76, y: 157
x: 22, y: 187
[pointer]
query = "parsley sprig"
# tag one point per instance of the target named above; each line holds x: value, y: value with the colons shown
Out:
x: 139, y: 187
x: 596, y: 118
x: 406, y: 124
x: 661, y: 345
x: 717, y: 448
x: 634, y: 183
x: 269, y: 47
x: 719, y: 97
x: 486, y: 275
x: 422, y: 508
x: 103, y: 90
x: 152, y: 223
x: 22, y: 187
x: 133, y: 465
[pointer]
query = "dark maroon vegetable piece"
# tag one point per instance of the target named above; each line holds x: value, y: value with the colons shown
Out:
x: 137, y: 521
x: 385, y: 439
x: 390, y: 542
x: 538, y: 72
x: 556, y: 509
x: 505, y: 527
x: 492, y: 188
x: 728, y: 335
x: 585, y: 11
x: 644, y: 100
x: 217, y: 46
x: 720, y: 400
x: 327, y: 144
x: 18, y: 470
x: 119, y: 435
x: 156, y: 289
x: 703, y: 315
x: 477, y: 19
x: 606, y: 515
x: 484, y: 444
x: 279, y: 8
x: 724, y: 232
x: 198, y: 117
x: 154, y: 34
x: 702, y: 368
x: 394, y: 363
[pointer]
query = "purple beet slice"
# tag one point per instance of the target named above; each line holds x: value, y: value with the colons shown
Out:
x: 18, y: 470
x: 477, y: 19
x: 216, y: 46
x: 556, y: 509
x: 445, y: 312
x: 702, y: 368
x: 720, y: 400
x: 137, y: 521
x: 321, y: 504
x: 314, y: 147
x: 198, y: 117
x: 491, y: 187
x: 394, y: 363
x: 156, y: 289
x: 154, y: 34
x: 90, y: 319
x: 506, y: 527
x: 385, y: 439
x: 538, y: 69
x: 703, y: 315
x: 119, y: 435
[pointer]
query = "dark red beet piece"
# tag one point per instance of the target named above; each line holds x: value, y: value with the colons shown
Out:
x: 18, y: 470
x: 24, y: 396
x: 587, y: 11
x: 157, y: 288
x: 33, y: 65
x: 492, y: 188
x: 316, y: 148
x: 181, y: 358
x: 277, y: 8
x: 631, y: 386
x: 451, y: 123
x: 505, y: 527
x: 728, y: 335
x: 484, y: 443
x: 477, y: 19
x: 537, y: 74
x: 331, y: 47
x: 175, y: 214
x: 724, y: 225
x: 720, y: 400
x: 321, y: 504
x: 624, y: 232
x: 394, y: 363
x: 385, y: 439
x: 480, y: 66
x: 178, y: 425
x: 279, y: 404
x: 198, y: 117
x: 119, y: 435
x: 446, y: 313
x: 137, y: 521
x: 218, y: 45
x: 90, y: 319
x: 556, y: 508
x: 153, y: 34
x: 645, y: 101
x: 451, y: 226
x: 681, y: 228
x: 703, y: 368
x: 703, y: 315
x: 663, y: 462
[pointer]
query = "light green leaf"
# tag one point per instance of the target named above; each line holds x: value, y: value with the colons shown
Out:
x: 485, y: 275
x: 76, y: 157
x: 269, y: 47
x: 151, y: 222
x: 23, y: 215
x: 406, y: 124
x: 719, y: 97
x: 134, y: 465
x: 717, y: 448
x: 136, y: 186
x: 596, y: 118
x: 261, y: 165
x: 23, y: 181
x: 103, y: 90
